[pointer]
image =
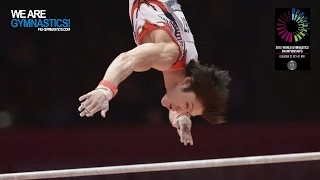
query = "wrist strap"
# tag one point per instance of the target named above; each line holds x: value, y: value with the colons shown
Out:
x: 110, y: 85
x: 182, y: 115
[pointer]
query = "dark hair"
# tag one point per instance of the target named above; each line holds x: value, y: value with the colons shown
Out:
x: 211, y: 88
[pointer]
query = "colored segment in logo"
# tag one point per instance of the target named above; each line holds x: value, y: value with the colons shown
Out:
x: 293, y: 26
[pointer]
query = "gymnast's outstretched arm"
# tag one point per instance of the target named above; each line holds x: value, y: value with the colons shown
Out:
x: 161, y: 54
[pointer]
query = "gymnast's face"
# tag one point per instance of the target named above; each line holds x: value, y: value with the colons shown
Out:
x: 181, y: 101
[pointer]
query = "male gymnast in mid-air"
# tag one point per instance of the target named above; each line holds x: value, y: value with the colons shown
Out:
x: 165, y: 43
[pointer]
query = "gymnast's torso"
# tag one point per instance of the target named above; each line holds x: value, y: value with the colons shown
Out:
x: 149, y: 15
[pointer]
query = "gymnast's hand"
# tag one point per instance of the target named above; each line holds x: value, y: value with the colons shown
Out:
x: 94, y: 101
x: 183, y: 125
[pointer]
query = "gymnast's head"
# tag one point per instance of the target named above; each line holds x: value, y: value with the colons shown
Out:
x: 204, y: 91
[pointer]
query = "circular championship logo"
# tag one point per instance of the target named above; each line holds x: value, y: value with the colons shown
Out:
x: 293, y: 25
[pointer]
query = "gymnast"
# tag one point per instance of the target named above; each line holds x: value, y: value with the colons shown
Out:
x: 165, y: 43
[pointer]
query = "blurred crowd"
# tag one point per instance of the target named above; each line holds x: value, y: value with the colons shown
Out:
x: 42, y: 74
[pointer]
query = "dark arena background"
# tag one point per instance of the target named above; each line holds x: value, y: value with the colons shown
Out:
x: 42, y: 74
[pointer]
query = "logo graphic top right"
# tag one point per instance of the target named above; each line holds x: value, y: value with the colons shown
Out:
x: 292, y: 38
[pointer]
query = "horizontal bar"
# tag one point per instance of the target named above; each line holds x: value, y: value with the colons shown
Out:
x: 179, y: 165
